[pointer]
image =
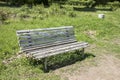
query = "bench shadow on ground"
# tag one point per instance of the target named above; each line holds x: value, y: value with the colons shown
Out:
x: 62, y: 60
x: 70, y: 61
x: 86, y: 9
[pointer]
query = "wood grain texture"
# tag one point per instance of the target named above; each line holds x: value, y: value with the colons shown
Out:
x: 41, y: 43
x: 30, y: 38
x: 57, y: 49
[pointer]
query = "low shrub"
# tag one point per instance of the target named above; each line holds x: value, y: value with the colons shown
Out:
x: 3, y: 16
x: 114, y: 5
x: 24, y: 15
x: 72, y: 14
x: 87, y: 3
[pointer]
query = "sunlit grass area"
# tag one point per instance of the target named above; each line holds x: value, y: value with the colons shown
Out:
x: 104, y: 33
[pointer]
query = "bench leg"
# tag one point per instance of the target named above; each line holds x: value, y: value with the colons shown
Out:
x: 83, y: 50
x: 45, y: 64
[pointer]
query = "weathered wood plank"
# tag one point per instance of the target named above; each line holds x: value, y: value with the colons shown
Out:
x: 57, y: 47
x: 57, y: 28
x: 36, y: 47
x: 41, y: 43
x: 48, y: 40
x: 58, y: 51
x: 29, y: 38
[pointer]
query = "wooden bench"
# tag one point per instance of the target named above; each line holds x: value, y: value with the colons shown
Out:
x: 41, y: 43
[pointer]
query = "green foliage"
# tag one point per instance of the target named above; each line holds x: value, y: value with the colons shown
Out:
x: 88, y: 27
x: 63, y: 59
x: 114, y: 5
x: 103, y: 2
x: 72, y: 14
x: 17, y: 2
x: 3, y: 16
x: 54, y: 16
x: 87, y: 3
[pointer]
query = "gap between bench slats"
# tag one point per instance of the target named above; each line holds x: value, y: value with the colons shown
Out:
x: 58, y: 51
x: 35, y: 37
x: 48, y: 45
x: 57, y: 48
x: 40, y: 41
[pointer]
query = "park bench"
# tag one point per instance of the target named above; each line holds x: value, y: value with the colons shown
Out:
x: 42, y: 43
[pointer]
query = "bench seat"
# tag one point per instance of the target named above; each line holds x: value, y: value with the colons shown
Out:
x: 42, y: 43
x: 58, y: 49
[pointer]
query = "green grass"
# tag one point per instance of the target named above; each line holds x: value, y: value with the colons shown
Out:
x: 105, y: 34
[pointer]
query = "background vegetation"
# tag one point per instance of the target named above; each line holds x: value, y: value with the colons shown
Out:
x: 88, y: 27
x: 48, y: 2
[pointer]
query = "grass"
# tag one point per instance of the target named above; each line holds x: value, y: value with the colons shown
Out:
x: 104, y: 33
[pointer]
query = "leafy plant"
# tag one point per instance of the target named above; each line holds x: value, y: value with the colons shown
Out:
x: 114, y: 5
x: 88, y: 3
x: 72, y: 14
x: 24, y: 15
x: 3, y: 16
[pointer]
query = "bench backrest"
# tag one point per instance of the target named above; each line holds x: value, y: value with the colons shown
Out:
x: 40, y: 38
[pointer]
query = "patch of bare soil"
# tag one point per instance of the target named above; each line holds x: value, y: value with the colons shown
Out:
x: 108, y: 68
x: 92, y: 34
x: 116, y: 41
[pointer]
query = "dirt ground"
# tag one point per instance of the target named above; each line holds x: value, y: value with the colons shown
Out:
x: 106, y: 67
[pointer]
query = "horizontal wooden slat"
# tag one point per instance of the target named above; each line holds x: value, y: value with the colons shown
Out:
x: 34, y: 52
x: 44, y: 33
x: 45, y: 37
x: 35, y: 37
x: 25, y: 37
x: 47, y: 34
x: 49, y: 45
x: 58, y: 50
x: 57, y: 28
x: 46, y: 42
x: 38, y: 41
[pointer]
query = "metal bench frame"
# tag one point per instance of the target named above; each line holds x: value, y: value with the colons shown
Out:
x: 42, y: 43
